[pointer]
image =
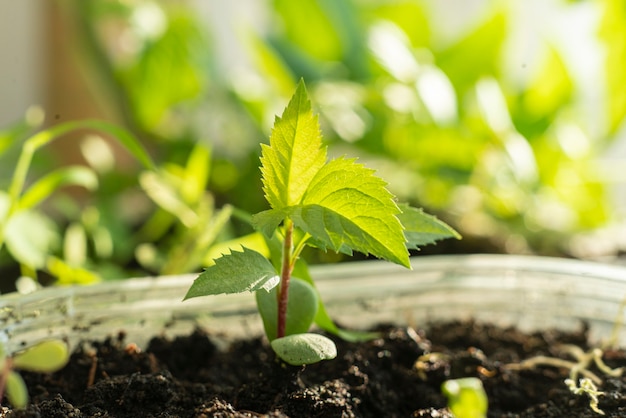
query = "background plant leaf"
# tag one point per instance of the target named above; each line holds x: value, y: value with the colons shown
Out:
x: 295, y: 153
x: 30, y: 237
x: 422, y: 229
x: 237, y: 272
x: 45, y: 186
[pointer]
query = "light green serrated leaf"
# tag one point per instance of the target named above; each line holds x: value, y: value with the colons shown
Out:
x: 421, y: 228
x: 16, y: 390
x: 295, y: 153
x: 347, y: 205
x: 300, y: 349
x: 302, y: 307
x: 45, y: 357
x: 237, y: 272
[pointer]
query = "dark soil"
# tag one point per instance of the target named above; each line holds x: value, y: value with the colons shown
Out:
x: 191, y: 377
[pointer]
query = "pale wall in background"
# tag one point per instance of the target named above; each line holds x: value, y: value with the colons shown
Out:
x: 21, y: 58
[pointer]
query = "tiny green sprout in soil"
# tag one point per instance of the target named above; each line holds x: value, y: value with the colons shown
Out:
x: 337, y: 205
x: 44, y: 357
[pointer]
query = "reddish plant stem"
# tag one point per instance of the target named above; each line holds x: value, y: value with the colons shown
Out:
x: 285, y: 276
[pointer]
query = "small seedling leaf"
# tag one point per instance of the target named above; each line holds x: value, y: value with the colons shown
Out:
x: 237, y: 272
x: 16, y: 390
x: 302, y: 307
x: 295, y: 153
x: 45, y: 357
x: 300, y: 349
x: 346, y: 205
x: 422, y: 229
x: 466, y: 397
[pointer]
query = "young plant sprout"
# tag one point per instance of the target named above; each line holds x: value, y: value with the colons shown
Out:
x: 45, y: 357
x: 338, y: 205
x: 466, y: 397
x: 587, y: 385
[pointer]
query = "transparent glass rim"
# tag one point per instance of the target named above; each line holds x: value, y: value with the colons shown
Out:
x: 527, y: 291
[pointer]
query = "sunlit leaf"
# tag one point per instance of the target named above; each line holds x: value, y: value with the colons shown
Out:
x: 408, y: 16
x: 169, y: 71
x: 301, y: 19
x: 613, y: 32
x: 550, y: 90
x: 476, y: 55
x: 67, y: 274
x: 237, y: 272
x: 196, y: 173
x: 294, y: 155
x: 347, y: 205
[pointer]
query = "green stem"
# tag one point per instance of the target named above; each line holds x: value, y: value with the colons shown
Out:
x: 285, y: 276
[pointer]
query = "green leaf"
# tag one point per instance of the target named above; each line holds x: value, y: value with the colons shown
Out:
x: 164, y: 189
x: 347, y: 205
x: 268, y: 220
x: 301, y: 308
x: 236, y: 272
x: 294, y: 155
x: 196, y: 175
x: 421, y: 229
x: 44, y: 357
x: 466, y: 397
x: 299, y: 349
x: 17, y: 393
x: 30, y: 238
x: 45, y: 186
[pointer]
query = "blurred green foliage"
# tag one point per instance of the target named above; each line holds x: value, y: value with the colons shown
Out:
x: 469, y: 112
x: 493, y: 140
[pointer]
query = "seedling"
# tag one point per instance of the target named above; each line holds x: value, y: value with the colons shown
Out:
x: 45, y: 357
x: 587, y: 385
x: 338, y: 205
x: 466, y: 397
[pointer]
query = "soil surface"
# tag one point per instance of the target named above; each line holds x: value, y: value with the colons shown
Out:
x: 191, y: 377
